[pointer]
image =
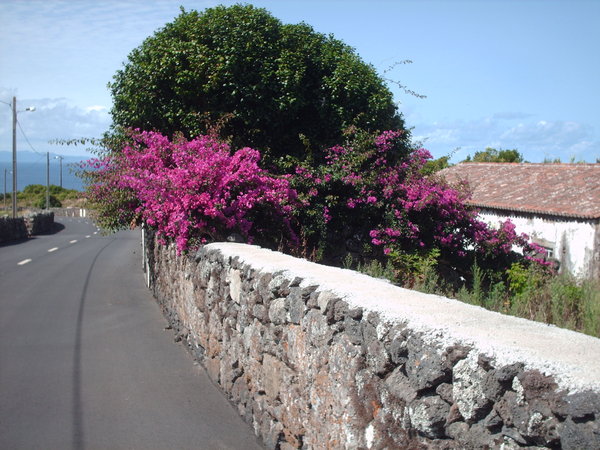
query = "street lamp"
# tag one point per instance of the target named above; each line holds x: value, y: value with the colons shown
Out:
x: 14, y: 149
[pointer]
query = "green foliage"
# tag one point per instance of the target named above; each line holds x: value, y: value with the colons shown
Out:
x: 376, y: 269
x: 566, y: 297
x: 590, y: 308
x: 552, y: 161
x: 415, y: 268
x: 572, y: 160
x: 33, y: 190
x: 518, y: 278
x: 526, y: 286
x: 373, y: 268
x: 344, y: 199
x: 484, y: 290
x: 535, y: 293
x: 34, y: 195
x: 240, y: 72
x: 435, y: 165
x: 52, y: 200
x: 497, y: 156
x: 478, y: 283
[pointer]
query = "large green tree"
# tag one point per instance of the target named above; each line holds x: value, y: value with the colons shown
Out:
x: 283, y: 89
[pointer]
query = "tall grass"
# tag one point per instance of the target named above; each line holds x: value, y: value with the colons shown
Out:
x: 528, y: 292
x: 562, y: 300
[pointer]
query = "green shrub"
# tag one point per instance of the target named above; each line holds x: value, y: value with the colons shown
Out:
x: 34, y: 195
x: 41, y: 202
x: 416, y: 269
x: 376, y: 269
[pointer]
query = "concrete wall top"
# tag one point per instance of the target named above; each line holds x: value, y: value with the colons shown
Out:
x: 572, y: 358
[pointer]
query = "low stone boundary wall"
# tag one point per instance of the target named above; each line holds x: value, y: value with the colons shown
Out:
x: 320, y: 357
x: 40, y: 223
x: 12, y: 229
x: 22, y: 227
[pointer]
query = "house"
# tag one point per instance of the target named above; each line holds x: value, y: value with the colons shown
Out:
x: 557, y: 205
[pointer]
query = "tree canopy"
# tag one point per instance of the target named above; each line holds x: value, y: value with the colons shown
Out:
x: 279, y: 88
x: 500, y: 156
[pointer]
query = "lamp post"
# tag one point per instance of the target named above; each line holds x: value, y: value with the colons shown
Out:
x: 14, y: 151
x: 47, y: 181
x: 14, y: 155
x: 60, y: 158
x: 5, y: 170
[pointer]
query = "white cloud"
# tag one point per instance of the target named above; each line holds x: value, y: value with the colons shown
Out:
x: 95, y: 108
x: 557, y: 134
x: 535, y: 139
x: 54, y: 119
x: 511, y: 115
x: 563, y: 139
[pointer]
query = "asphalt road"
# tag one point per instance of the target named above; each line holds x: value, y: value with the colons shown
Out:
x: 85, y: 360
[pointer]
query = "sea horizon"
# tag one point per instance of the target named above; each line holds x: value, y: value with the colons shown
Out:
x: 35, y: 173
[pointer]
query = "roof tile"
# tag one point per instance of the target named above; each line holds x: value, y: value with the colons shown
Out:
x: 571, y: 190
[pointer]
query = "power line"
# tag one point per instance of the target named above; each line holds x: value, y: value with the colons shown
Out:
x: 25, y: 136
x: 22, y: 131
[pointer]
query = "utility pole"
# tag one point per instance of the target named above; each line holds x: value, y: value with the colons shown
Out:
x: 5, y: 170
x: 60, y: 158
x: 14, y: 155
x: 47, y: 181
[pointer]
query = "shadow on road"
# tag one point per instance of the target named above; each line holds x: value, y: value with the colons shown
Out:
x: 56, y: 228
x: 15, y: 242
x: 78, y: 432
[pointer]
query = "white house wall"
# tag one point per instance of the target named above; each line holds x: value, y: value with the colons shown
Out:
x: 572, y: 242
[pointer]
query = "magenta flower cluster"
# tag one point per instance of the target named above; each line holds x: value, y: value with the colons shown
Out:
x: 195, y: 189
x: 403, y: 209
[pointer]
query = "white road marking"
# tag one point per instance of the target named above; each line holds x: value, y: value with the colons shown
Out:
x: 52, y: 249
x: 73, y: 241
x: 25, y: 261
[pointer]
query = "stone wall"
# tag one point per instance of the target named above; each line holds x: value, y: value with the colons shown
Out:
x: 12, y: 229
x: 320, y: 357
x: 40, y: 223
x: 22, y: 227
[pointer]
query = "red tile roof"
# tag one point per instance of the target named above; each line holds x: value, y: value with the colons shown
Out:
x: 571, y: 190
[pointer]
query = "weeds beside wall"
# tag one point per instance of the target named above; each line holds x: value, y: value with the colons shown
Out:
x: 320, y: 357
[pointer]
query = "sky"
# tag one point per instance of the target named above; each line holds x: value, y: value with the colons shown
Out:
x: 510, y: 74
